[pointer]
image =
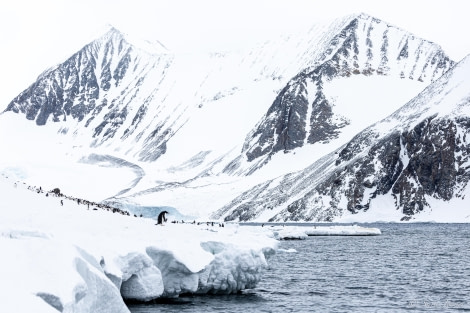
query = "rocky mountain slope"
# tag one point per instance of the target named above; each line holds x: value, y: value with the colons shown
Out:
x: 303, y: 113
x: 414, y: 161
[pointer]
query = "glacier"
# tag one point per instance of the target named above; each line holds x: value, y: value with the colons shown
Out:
x: 79, y: 258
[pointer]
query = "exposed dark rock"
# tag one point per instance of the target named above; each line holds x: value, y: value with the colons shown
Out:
x: 52, y: 300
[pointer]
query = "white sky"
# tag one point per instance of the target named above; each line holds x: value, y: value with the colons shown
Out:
x: 37, y: 34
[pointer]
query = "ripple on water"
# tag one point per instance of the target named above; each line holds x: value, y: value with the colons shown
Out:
x: 409, y: 268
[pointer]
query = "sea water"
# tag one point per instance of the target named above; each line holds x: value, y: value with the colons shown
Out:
x: 421, y: 267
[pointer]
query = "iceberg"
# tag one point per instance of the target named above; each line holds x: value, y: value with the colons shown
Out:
x: 60, y: 254
x: 289, y: 233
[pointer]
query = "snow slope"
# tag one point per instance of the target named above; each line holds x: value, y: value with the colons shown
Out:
x: 359, y: 69
x: 75, y: 258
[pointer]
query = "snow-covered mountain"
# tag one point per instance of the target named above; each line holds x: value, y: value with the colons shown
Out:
x: 132, y: 98
x: 414, y: 161
x: 122, y: 95
x: 199, y: 129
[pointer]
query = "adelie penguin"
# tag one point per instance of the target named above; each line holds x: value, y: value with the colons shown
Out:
x: 162, y: 217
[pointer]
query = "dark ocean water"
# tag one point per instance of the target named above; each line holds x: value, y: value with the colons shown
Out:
x: 409, y: 268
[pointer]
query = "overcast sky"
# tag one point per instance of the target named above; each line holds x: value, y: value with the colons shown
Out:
x: 37, y: 34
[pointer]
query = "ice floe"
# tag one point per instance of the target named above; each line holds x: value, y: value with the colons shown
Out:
x: 302, y: 232
x: 341, y: 230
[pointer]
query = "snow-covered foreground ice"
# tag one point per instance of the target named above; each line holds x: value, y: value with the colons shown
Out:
x: 80, y: 258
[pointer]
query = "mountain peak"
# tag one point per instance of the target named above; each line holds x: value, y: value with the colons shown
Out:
x: 148, y: 46
x: 113, y: 32
x: 366, y: 16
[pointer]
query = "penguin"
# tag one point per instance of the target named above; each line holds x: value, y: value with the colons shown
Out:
x: 161, y: 217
